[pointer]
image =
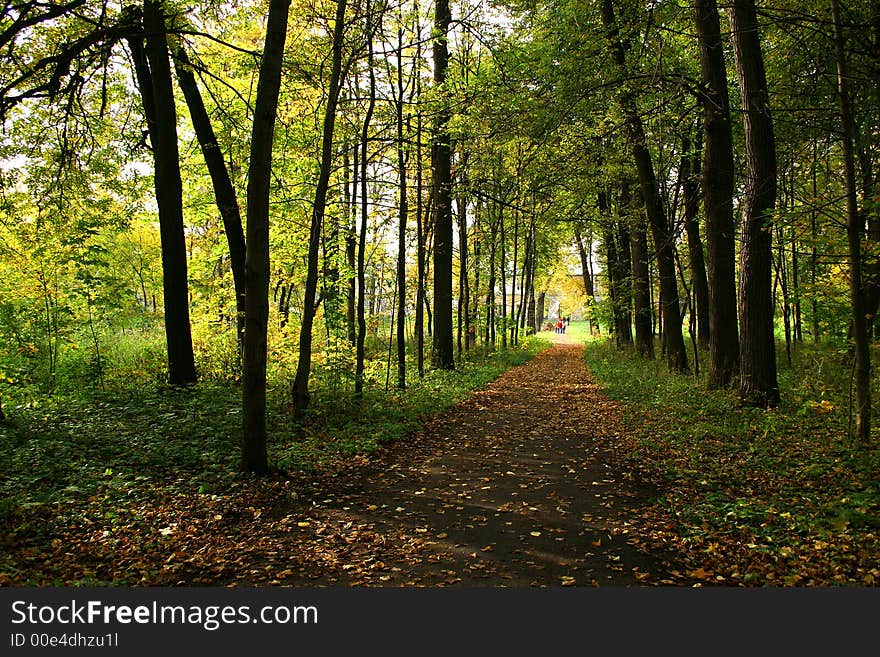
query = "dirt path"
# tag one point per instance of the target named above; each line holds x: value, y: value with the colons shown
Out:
x: 508, y: 488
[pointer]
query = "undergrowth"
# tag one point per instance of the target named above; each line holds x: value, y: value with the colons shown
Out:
x: 93, y: 445
x: 754, y: 496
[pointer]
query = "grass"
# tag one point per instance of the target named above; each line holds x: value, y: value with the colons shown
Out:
x: 89, y: 445
x: 788, y: 481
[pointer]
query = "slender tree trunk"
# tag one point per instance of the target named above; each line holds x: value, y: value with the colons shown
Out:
x: 758, y: 382
x: 490, y: 294
x: 676, y: 352
x: 814, y: 251
x: 854, y: 226
x: 640, y: 288
x: 153, y: 69
x: 717, y: 180
x: 586, y: 273
x: 351, y: 251
x: 224, y: 192
x: 782, y: 279
x: 625, y: 277
x: 503, y: 272
x: 419, y: 319
x: 442, y: 356
x: 256, y: 317
x: 690, y: 176
x: 420, y: 257
x: 464, y: 292
x: 796, y: 287
x: 300, y: 387
x: 612, y: 270
x: 403, y: 217
x: 540, y: 301
x: 360, y: 351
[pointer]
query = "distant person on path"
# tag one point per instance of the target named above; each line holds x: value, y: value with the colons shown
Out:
x: 560, y: 326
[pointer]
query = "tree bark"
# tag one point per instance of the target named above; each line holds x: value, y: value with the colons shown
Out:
x: 464, y: 292
x: 351, y: 252
x: 153, y: 69
x: 443, y: 354
x: 690, y: 176
x: 641, y: 290
x: 758, y: 382
x: 256, y: 316
x: 676, y: 353
x: 402, y: 218
x: 717, y: 181
x: 224, y: 192
x: 854, y: 227
x: 360, y: 349
x: 300, y: 387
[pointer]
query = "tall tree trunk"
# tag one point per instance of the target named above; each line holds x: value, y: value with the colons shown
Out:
x: 224, y: 192
x: 442, y: 355
x: 503, y: 271
x: 676, y: 352
x: 625, y: 277
x: 782, y: 280
x: 758, y: 382
x: 640, y: 289
x: 690, y: 176
x: 513, y: 305
x: 153, y: 69
x: 464, y: 293
x: 612, y: 270
x: 351, y: 251
x: 300, y: 387
x: 854, y: 226
x: 586, y: 273
x: 585, y: 251
x: 490, y: 294
x: 403, y: 217
x: 814, y: 251
x: 717, y: 180
x: 256, y: 314
x: 360, y: 349
x: 419, y: 319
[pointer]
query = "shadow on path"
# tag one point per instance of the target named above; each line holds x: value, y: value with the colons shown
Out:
x: 508, y: 488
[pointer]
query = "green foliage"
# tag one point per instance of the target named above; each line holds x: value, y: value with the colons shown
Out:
x: 781, y: 481
x: 142, y: 435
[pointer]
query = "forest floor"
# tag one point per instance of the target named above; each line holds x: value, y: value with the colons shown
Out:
x: 518, y: 485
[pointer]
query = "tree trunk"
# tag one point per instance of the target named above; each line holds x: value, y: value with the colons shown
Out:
x: 351, y: 248
x: 690, y: 176
x: 640, y: 289
x: 153, y: 69
x: 758, y: 383
x: 586, y: 273
x: 854, y: 225
x: 224, y: 192
x: 490, y: 293
x: 300, y: 387
x: 419, y: 319
x: 612, y: 270
x: 717, y: 180
x: 625, y: 274
x: 443, y: 355
x: 360, y: 349
x: 402, y: 218
x: 503, y: 271
x: 676, y: 352
x: 256, y: 315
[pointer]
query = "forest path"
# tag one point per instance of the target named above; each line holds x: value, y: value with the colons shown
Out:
x: 510, y: 487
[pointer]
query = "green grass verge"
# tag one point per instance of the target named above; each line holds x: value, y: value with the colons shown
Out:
x: 784, y: 486
x: 101, y: 447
